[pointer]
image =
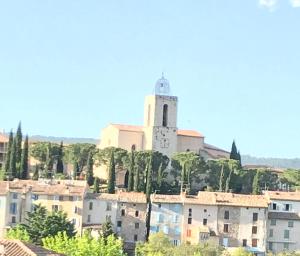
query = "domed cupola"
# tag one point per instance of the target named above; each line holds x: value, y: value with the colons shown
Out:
x: 162, y: 86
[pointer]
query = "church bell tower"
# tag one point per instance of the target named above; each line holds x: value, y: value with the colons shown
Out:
x: 160, y: 119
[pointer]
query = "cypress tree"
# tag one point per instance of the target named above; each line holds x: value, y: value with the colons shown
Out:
x: 35, y: 175
x: 24, y: 160
x: 160, y: 177
x: 234, y: 152
x: 149, y: 178
x: 49, y: 161
x: 96, y: 188
x: 60, y: 164
x: 89, y: 171
x: 221, y: 178
x: 8, y: 153
x: 18, y: 139
x: 131, y: 172
x: 255, y: 184
x: 111, y: 175
x: 136, y: 179
x: 75, y: 170
x: 12, y: 162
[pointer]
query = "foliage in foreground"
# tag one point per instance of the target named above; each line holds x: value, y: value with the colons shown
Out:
x: 160, y: 245
x: 40, y: 224
x: 85, y: 245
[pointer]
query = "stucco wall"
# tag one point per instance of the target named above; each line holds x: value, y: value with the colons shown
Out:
x: 189, y: 143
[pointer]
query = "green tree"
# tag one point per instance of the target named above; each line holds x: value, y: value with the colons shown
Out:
x: 89, y: 170
x: 107, y: 229
x: 8, y: 154
x: 40, y: 224
x: 59, y: 161
x: 24, y: 160
x: 149, y: 180
x: 241, y: 252
x: 18, y: 233
x: 18, y: 139
x: 221, y: 180
x: 111, y: 175
x: 131, y: 172
x: 75, y: 170
x: 96, y: 187
x: 256, y: 186
x: 13, y: 163
x: 234, y: 152
x: 35, y: 175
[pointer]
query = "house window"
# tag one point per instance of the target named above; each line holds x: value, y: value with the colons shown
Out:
x: 189, y: 220
x: 244, y: 242
x: 254, y: 230
x: 286, y: 246
x: 108, y: 206
x: 89, y: 218
x: 286, y: 234
x: 35, y: 197
x: 175, y: 219
x: 61, y: 198
x: 204, y: 222
x: 274, y: 206
x: 270, y: 246
x: 135, y: 237
x: 176, y: 242
x: 287, y: 207
x: 91, y: 206
x: 108, y: 218
x: 15, y: 196
x: 13, y: 208
x: 271, y: 233
x: 137, y: 225
x: 254, y: 242
x: 136, y: 213
x: 13, y: 219
x: 255, y: 216
x: 123, y: 212
x: 165, y: 116
x: 119, y: 223
x: 290, y: 224
x: 75, y: 209
x: 71, y: 198
x: 133, y: 147
x: 226, y: 227
x: 55, y: 208
x: 205, y: 210
x: 159, y: 205
x: 189, y: 233
x: 273, y: 222
x: 226, y: 215
x: 73, y: 221
x: 190, y: 212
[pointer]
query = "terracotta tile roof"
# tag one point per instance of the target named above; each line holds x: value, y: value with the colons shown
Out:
x: 189, y: 133
x: 157, y: 198
x: 130, y: 128
x: 44, y: 188
x: 126, y: 197
x: 18, y: 248
x: 3, y: 137
x: 280, y: 195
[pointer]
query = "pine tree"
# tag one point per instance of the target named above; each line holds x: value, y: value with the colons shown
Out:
x: 75, y: 170
x: 35, y: 175
x: 12, y: 163
x: 131, y: 172
x: 24, y: 160
x: 111, y: 175
x: 89, y: 171
x: 96, y: 188
x: 18, y: 139
x: 8, y: 153
x: 149, y: 178
x: 60, y: 164
x: 255, y: 184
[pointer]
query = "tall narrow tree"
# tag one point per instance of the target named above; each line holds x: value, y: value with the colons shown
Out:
x: 60, y: 164
x: 111, y: 175
x: 234, y: 152
x: 131, y: 172
x: 35, y: 175
x: 89, y: 170
x: 24, y: 160
x: 136, y: 184
x: 12, y: 162
x: 75, y: 170
x: 255, y: 184
x: 18, y: 139
x: 8, y: 153
x: 160, y: 177
x: 149, y: 178
x: 221, y: 178
x: 96, y: 188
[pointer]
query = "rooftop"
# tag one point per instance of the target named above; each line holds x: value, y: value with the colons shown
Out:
x: 281, y: 195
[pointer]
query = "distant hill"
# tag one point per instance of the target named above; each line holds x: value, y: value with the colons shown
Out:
x: 66, y: 140
x: 284, y: 163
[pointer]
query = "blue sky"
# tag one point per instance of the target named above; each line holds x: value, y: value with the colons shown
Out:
x: 68, y: 68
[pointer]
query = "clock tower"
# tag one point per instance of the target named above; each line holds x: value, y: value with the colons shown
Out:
x: 160, y: 119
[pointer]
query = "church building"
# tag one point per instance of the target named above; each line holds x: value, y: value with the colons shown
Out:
x: 160, y: 131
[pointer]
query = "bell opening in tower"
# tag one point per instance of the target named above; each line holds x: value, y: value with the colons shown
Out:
x: 165, y: 116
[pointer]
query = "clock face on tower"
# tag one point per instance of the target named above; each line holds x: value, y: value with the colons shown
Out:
x: 164, y: 143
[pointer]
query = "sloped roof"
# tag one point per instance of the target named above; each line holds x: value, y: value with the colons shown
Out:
x: 138, y: 128
x: 281, y: 195
x: 120, y: 196
x: 3, y: 138
x: 18, y: 248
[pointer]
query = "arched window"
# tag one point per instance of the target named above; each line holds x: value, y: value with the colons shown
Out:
x: 165, y: 115
x: 133, y: 147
